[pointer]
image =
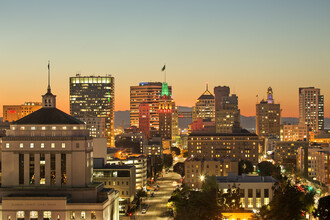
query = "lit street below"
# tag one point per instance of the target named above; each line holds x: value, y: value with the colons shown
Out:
x: 157, y: 205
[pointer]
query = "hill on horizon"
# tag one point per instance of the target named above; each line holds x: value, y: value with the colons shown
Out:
x: 247, y: 122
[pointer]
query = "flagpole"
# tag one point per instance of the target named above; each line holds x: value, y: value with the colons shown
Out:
x: 165, y: 72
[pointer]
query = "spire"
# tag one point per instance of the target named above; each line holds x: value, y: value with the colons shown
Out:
x: 207, y: 86
x: 49, y: 100
x: 48, y: 89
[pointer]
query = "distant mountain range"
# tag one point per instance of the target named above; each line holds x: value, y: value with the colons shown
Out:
x: 122, y: 118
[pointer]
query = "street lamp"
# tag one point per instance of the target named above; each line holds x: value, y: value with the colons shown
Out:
x: 202, y: 178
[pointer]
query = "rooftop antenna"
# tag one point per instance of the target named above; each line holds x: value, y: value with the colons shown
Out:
x: 48, y: 89
x: 207, y: 86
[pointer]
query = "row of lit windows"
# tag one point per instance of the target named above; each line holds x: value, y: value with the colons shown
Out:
x: 46, y: 128
x: 42, y: 145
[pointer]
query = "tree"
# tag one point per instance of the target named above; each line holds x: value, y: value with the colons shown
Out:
x: 245, y: 166
x: 289, y: 202
x: 168, y: 160
x: 322, y: 211
x: 266, y: 168
x: 140, y: 194
x: 176, y: 150
x: 230, y: 200
x: 179, y: 168
x: 191, y: 205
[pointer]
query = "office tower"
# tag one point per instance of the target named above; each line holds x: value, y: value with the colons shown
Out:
x: 219, y: 93
x: 166, y: 109
x: 144, y: 119
x: 268, y: 117
x: 47, y: 167
x: 15, y: 112
x: 311, y: 108
x: 228, y: 116
x: 146, y: 92
x: 204, y: 107
x: 93, y: 97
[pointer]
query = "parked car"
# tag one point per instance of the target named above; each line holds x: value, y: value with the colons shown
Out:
x: 144, y: 211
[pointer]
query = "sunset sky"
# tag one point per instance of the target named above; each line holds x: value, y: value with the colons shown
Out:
x: 248, y: 45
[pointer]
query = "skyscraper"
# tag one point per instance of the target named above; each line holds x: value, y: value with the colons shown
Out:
x: 144, y: 119
x: 204, y: 107
x: 146, y: 92
x: 166, y: 110
x: 219, y: 93
x: 268, y: 116
x: 93, y: 96
x: 228, y: 116
x: 311, y: 108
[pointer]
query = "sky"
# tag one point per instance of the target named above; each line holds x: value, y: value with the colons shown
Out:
x: 248, y: 45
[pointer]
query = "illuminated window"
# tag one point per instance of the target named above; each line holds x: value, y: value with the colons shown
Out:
x: 42, y: 145
x: 63, y: 145
x: 83, y: 215
x: 20, y: 214
x: 53, y: 128
x: 7, y: 145
x: 47, y: 214
x: 34, y: 214
x: 31, y: 145
x: 53, y: 145
x: 21, y: 145
x: 33, y: 128
x: 43, y: 128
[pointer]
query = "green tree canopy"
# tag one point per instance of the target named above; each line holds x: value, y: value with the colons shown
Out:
x: 245, y: 166
x: 168, y: 160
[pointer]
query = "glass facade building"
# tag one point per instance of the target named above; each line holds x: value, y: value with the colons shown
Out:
x: 93, y: 96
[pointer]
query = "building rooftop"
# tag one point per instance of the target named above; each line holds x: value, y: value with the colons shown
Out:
x: 243, y: 132
x: 245, y: 179
x: 214, y: 159
x: 48, y: 116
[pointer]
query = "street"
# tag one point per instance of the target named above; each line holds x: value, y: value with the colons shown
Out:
x: 157, y: 204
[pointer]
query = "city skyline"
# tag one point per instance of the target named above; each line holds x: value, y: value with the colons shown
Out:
x: 223, y: 43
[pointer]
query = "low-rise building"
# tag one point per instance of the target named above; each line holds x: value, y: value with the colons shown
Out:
x: 154, y: 147
x: 14, y: 112
x: 120, y: 177
x: 255, y: 191
x: 291, y: 132
x: 196, y: 169
x: 137, y: 160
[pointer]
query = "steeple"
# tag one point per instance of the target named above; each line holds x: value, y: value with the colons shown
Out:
x: 270, y: 98
x: 165, y: 94
x: 49, y: 100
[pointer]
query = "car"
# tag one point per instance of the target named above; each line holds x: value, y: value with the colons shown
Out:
x: 144, y: 211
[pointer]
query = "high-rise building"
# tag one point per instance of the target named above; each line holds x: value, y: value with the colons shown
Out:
x: 15, y: 112
x: 311, y: 108
x: 219, y: 93
x: 204, y: 107
x: 227, y: 118
x: 268, y: 117
x: 146, y: 92
x: 166, y: 110
x: 144, y: 119
x: 47, y: 169
x: 93, y: 96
